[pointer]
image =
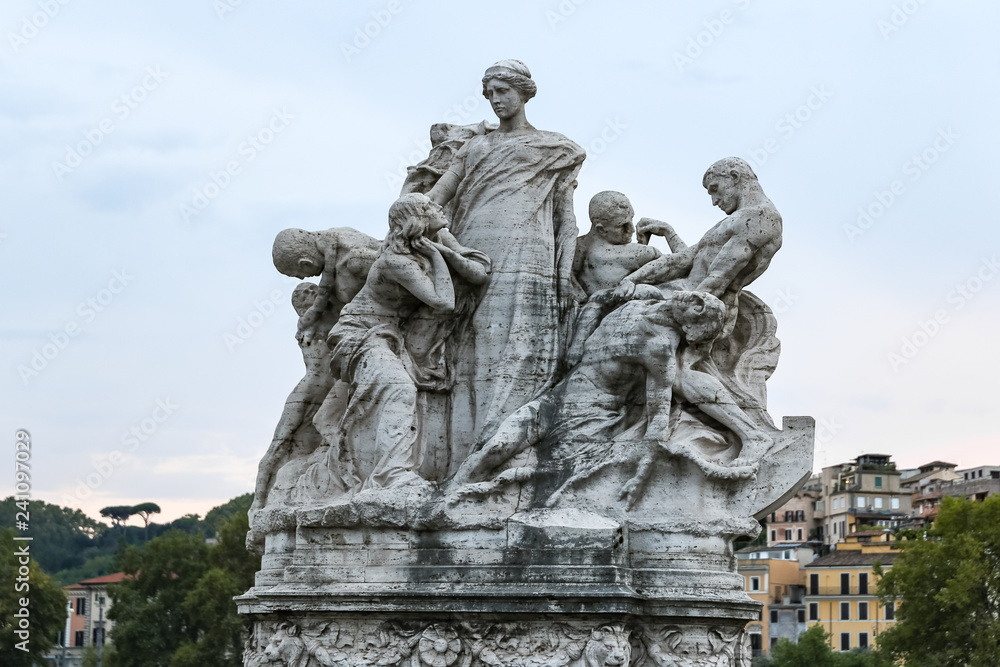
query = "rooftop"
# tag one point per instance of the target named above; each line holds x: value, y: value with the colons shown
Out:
x: 853, y: 559
x: 115, y: 578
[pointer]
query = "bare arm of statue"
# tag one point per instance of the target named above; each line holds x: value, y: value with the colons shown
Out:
x: 648, y: 226
x: 436, y: 290
x: 445, y: 188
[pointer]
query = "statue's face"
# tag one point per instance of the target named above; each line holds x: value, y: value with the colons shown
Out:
x: 434, y: 222
x: 724, y: 192
x: 504, y: 99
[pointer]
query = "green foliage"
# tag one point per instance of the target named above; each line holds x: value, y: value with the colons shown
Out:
x: 68, y: 533
x: 108, y: 654
x: 118, y: 514
x: 179, y: 609
x: 813, y: 650
x: 46, y: 607
x: 948, y: 587
x: 238, y: 505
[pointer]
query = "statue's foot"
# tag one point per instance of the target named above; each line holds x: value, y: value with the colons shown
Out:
x: 455, y: 494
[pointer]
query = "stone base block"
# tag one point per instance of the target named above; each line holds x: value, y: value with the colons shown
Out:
x: 496, y: 640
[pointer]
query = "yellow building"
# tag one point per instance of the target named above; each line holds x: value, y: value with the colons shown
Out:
x: 774, y: 576
x: 841, y: 590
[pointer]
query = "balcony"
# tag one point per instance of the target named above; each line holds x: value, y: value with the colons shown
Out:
x: 837, y: 591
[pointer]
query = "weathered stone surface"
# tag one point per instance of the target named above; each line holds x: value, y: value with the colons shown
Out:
x: 514, y: 446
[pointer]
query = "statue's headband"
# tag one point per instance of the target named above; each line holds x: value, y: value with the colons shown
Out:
x: 499, y: 69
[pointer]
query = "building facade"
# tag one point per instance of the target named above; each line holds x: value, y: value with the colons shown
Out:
x: 88, y: 612
x: 774, y: 576
x: 865, y: 491
x: 841, y: 590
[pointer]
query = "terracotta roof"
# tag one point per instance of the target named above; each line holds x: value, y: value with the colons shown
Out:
x: 73, y: 587
x: 115, y: 578
x: 853, y: 559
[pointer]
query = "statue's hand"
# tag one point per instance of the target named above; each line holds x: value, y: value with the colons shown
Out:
x: 424, y: 247
x: 625, y: 290
x: 646, y: 227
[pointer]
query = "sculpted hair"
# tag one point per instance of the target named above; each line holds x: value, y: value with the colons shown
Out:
x: 303, y: 297
x: 516, y: 74
x: 701, y: 315
x: 291, y: 245
x: 727, y: 165
x: 604, y: 203
x: 406, y: 221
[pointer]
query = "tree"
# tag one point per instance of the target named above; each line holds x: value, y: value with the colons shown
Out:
x: 813, y: 650
x: 947, y: 585
x: 143, y: 510
x: 179, y: 610
x: 239, y: 504
x: 118, y: 514
x: 46, y: 607
x: 69, y: 533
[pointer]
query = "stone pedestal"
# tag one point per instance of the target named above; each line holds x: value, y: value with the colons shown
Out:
x: 433, y: 584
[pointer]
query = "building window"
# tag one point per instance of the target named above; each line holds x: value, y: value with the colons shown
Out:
x: 799, y: 535
x: 774, y: 536
x: 834, y: 527
x: 78, y: 638
x: 863, y: 639
x: 813, y: 584
x: 862, y: 611
x: 845, y: 583
x: 755, y: 643
x: 890, y: 611
x: 788, y: 534
x: 863, y: 583
x: 774, y: 615
x: 845, y: 611
x: 800, y: 515
x: 81, y: 606
x: 788, y: 516
x: 878, y: 503
x: 802, y: 615
x: 894, y: 503
x: 878, y: 482
x: 845, y: 641
x: 813, y: 611
x: 755, y: 583
x: 862, y: 502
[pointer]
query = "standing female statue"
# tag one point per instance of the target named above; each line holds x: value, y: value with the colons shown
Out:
x: 512, y: 192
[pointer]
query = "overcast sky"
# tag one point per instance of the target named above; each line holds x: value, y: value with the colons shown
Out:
x: 151, y: 151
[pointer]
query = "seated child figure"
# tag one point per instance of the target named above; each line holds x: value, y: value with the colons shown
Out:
x: 604, y: 256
